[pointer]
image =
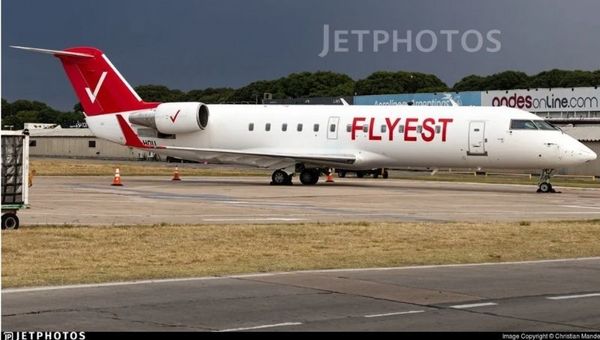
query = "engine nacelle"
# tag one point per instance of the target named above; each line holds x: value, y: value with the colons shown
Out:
x: 174, y: 118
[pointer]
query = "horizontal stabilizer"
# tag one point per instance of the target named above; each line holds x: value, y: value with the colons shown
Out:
x: 54, y: 52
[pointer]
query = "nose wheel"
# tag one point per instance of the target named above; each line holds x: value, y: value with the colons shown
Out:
x: 544, y: 185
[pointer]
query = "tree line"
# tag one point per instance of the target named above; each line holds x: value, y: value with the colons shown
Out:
x: 311, y: 84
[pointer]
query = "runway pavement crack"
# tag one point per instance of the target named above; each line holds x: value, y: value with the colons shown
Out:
x: 497, y: 315
x: 115, y: 316
x: 63, y: 310
x: 330, y: 291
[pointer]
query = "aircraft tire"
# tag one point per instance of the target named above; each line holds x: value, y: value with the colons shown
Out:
x: 279, y: 177
x: 545, y: 188
x: 309, y: 176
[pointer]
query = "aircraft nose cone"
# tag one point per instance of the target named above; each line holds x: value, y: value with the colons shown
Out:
x: 589, y: 155
x: 585, y: 154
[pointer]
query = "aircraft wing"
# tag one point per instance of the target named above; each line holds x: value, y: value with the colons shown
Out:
x: 259, y: 157
x: 267, y: 155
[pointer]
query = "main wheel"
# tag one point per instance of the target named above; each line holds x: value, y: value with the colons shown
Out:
x: 280, y: 177
x: 545, y: 187
x: 386, y: 174
x: 10, y: 221
x: 342, y: 173
x: 360, y: 174
x: 309, y: 176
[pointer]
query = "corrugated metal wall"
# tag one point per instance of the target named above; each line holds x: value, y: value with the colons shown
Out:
x: 80, y: 147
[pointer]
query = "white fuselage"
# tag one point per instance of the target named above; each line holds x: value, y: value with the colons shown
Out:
x: 394, y: 136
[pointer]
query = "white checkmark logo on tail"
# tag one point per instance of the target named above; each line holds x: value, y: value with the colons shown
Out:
x: 97, y: 89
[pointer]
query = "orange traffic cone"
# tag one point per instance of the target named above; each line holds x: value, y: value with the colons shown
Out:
x: 117, y: 178
x: 329, y: 176
x: 176, y: 175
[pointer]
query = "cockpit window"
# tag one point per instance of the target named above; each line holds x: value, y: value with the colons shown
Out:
x: 518, y: 124
x: 543, y: 125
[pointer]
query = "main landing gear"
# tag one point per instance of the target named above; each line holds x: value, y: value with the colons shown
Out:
x: 281, y: 177
x: 544, y: 185
x: 308, y: 176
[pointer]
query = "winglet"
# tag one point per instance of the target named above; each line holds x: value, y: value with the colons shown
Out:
x: 344, y: 102
x: 131, y: 139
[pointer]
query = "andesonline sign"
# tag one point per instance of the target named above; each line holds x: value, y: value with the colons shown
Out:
x: 546, y: 100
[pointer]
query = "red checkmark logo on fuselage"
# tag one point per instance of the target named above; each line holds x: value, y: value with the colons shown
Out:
x: 173, y: 118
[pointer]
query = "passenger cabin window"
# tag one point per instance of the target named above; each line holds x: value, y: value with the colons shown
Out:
x: 284, y: 127
x: 365, y: 128
x: 438, y: 129
x: 419, y: 129
x: 401, y: 129
x: 316, y: 128
x: 348, y: 127
x: 91, y: 144
x: 332, y: 128
x: 251, y: 127
x: 383, y: 128
x: 268, y: 127
x: 519, y: 124
x: 299, y: 128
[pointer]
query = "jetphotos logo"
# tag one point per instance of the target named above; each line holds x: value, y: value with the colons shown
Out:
x: 424, y: 41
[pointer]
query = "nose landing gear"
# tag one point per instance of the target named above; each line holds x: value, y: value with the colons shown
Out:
x: 544, y: 185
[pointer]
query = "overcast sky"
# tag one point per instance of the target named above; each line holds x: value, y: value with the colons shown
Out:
x: 194, y: 44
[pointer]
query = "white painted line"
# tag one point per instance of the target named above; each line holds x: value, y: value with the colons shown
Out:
x: 261, y: 327
x: 324, y: 271
x: 253, y: 219
x: 474, y: 305
x: 580, y: 206
x: 397, y: 313
x: 566, y: 297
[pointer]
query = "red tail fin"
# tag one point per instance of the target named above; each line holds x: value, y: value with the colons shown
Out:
x: 98, y: 84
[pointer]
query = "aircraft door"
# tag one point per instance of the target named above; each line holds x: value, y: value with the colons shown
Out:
x: 477, y: 139
x: 333, y: 127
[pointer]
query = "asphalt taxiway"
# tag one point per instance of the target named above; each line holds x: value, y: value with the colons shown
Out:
x: 558, y: 295
x: 196, y: 200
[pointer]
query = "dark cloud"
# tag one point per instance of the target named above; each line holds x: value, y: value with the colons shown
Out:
x: 190, y: 44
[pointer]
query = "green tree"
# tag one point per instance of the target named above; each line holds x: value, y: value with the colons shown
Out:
x: 506, y: 80
x: 68, y: 119
x: 384, y: 82
x: 470, y: 83
x: 159, y: 93
x: 210, y: 95
x: 550, y: 78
